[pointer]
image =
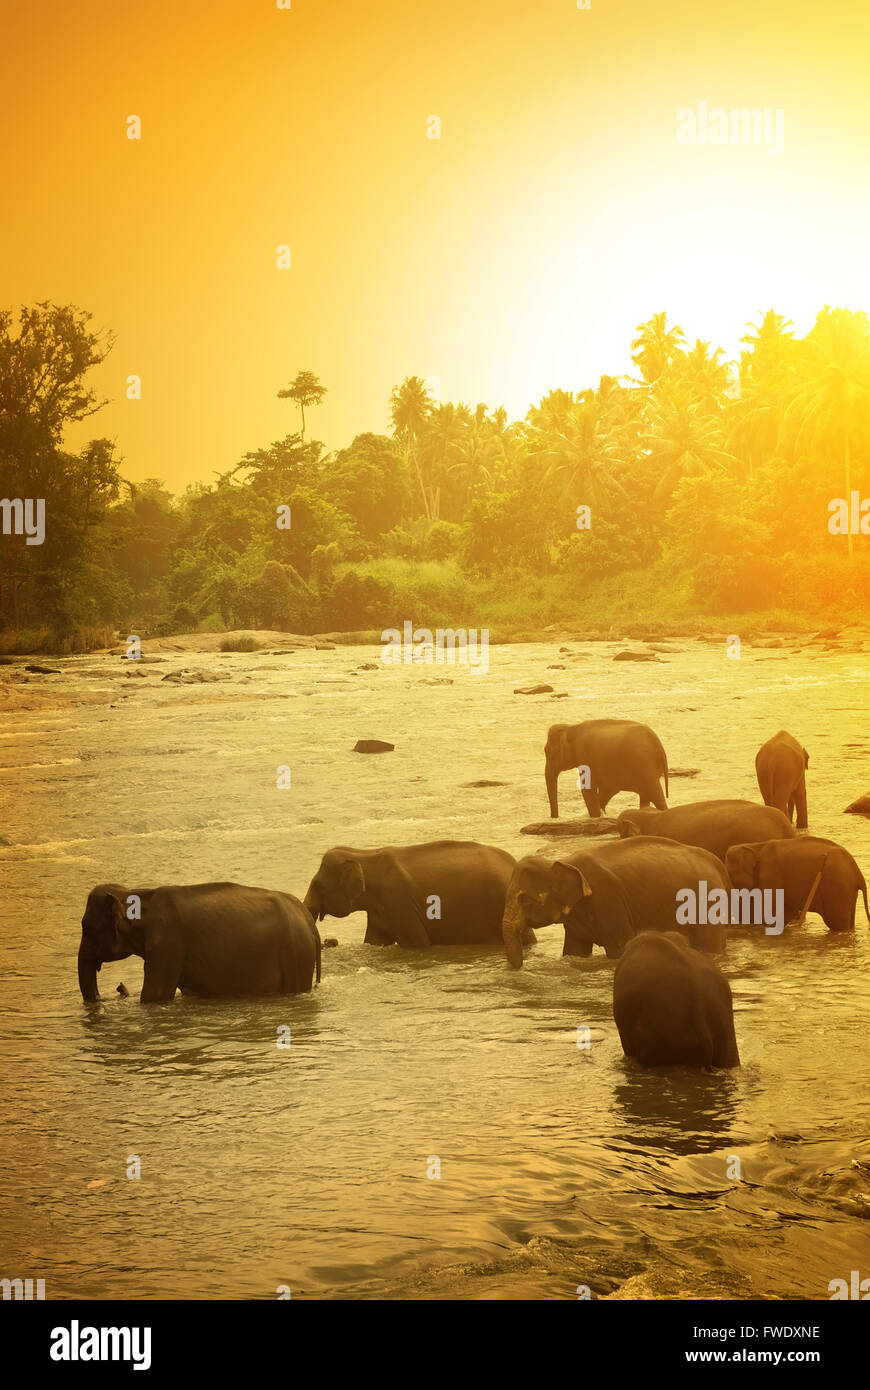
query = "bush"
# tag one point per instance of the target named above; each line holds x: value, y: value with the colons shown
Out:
x: 244, y: 643
x: 185, y: 619
x: 359, y: 600
x: 443, y: 540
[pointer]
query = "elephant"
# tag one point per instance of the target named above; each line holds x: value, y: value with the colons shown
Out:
x: 792, y: 865
x: 445, y: 893
x: 606, y: 895
x: 780, y: 766
x: 217, y: 940
x: 621, y: 756
x: 672, y: 1006
x: 711, y: 825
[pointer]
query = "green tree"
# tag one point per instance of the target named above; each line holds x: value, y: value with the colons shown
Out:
x: 410, y: 408
x: 305, y: 390
x: 829, y: 409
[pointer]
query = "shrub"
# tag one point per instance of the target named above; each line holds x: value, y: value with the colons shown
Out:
x: 243, y: 643
x: 185, y: 619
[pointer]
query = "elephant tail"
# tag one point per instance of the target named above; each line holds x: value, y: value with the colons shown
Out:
x: 667, y: 788
x: 318, y: 946
x: 864, y: 893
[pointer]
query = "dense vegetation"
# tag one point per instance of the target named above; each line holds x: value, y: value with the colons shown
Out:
x: 707, y: 485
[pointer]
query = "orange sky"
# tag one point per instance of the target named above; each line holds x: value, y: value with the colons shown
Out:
x: 516, y: 253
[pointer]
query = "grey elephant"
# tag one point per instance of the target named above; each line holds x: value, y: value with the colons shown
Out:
x: 672, y: 1005
x: 446, y: 892
x: 793, y: 866
x: 711, y: 825
x: 620, y: 755
x: 780, y: 766
x: 606, y: 895
x: 217, y: 940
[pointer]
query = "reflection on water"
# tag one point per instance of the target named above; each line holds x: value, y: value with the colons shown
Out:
x: 309, y: 1166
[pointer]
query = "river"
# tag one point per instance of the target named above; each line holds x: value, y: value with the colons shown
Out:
x: 311, y: 1168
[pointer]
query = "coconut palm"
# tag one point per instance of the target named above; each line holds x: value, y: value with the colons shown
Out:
x: 578, y: 454
x: 410, y: 408
x: 767, y: 370
x: 709, y: 380
x: 684, y: 440
x: 657, y: 347
x: 829, y: 409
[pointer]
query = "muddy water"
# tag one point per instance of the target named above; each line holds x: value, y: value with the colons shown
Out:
x: 308, y: 1167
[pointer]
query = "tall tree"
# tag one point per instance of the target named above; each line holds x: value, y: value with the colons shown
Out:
x: 305, y: 390
x: 410, y: 408
x: 829, y: 410
x: 656, y: 347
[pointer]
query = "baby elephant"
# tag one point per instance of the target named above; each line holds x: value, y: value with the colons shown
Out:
x: 793, y: 866
x: 780, y: 766
x: 672, y: 1005
x: 211, y: 939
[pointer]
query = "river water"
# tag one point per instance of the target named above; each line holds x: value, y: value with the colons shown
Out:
x: 312, y: 1167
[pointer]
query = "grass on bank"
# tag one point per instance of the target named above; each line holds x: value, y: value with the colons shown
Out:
x: 519, y: 607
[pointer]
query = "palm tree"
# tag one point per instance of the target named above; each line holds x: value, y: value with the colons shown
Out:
x: 683, y: 440
x: 578, y: 450
x: 656, y: 347
x: 767, y: 370
x: 829, y: 409
x: 710, y: 381
x: 410, y: 408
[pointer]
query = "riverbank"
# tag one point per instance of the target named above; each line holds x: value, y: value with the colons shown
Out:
x: 769, y: 629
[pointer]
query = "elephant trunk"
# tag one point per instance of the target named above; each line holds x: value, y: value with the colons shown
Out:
x: 88, y: 967
x: 313, y: 902
x: 513, y: 930
x: 552, y: 776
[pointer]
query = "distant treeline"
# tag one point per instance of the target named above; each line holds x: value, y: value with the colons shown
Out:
x: 714, y: 476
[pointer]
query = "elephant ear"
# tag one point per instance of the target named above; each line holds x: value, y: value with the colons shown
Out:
x: 569, y: 885
x: 116, y: 917
x: 742, y: 859
x: 352, y: 879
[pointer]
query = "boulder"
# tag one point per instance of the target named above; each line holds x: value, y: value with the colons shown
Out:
x: 861, y: 807
x: 533, y: 690
x: 604, y: 825
x: 372, y: 745
x: 635, y: 656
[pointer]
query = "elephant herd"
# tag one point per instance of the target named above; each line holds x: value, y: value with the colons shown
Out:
x: 671, y: 1003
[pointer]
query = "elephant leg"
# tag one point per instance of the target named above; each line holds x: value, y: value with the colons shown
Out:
x: 375, y: 936
x: 577, y: 946
x: 605, y: 794
x: 593, y: 805
x: 800, y: 804
x: 162, y: 976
